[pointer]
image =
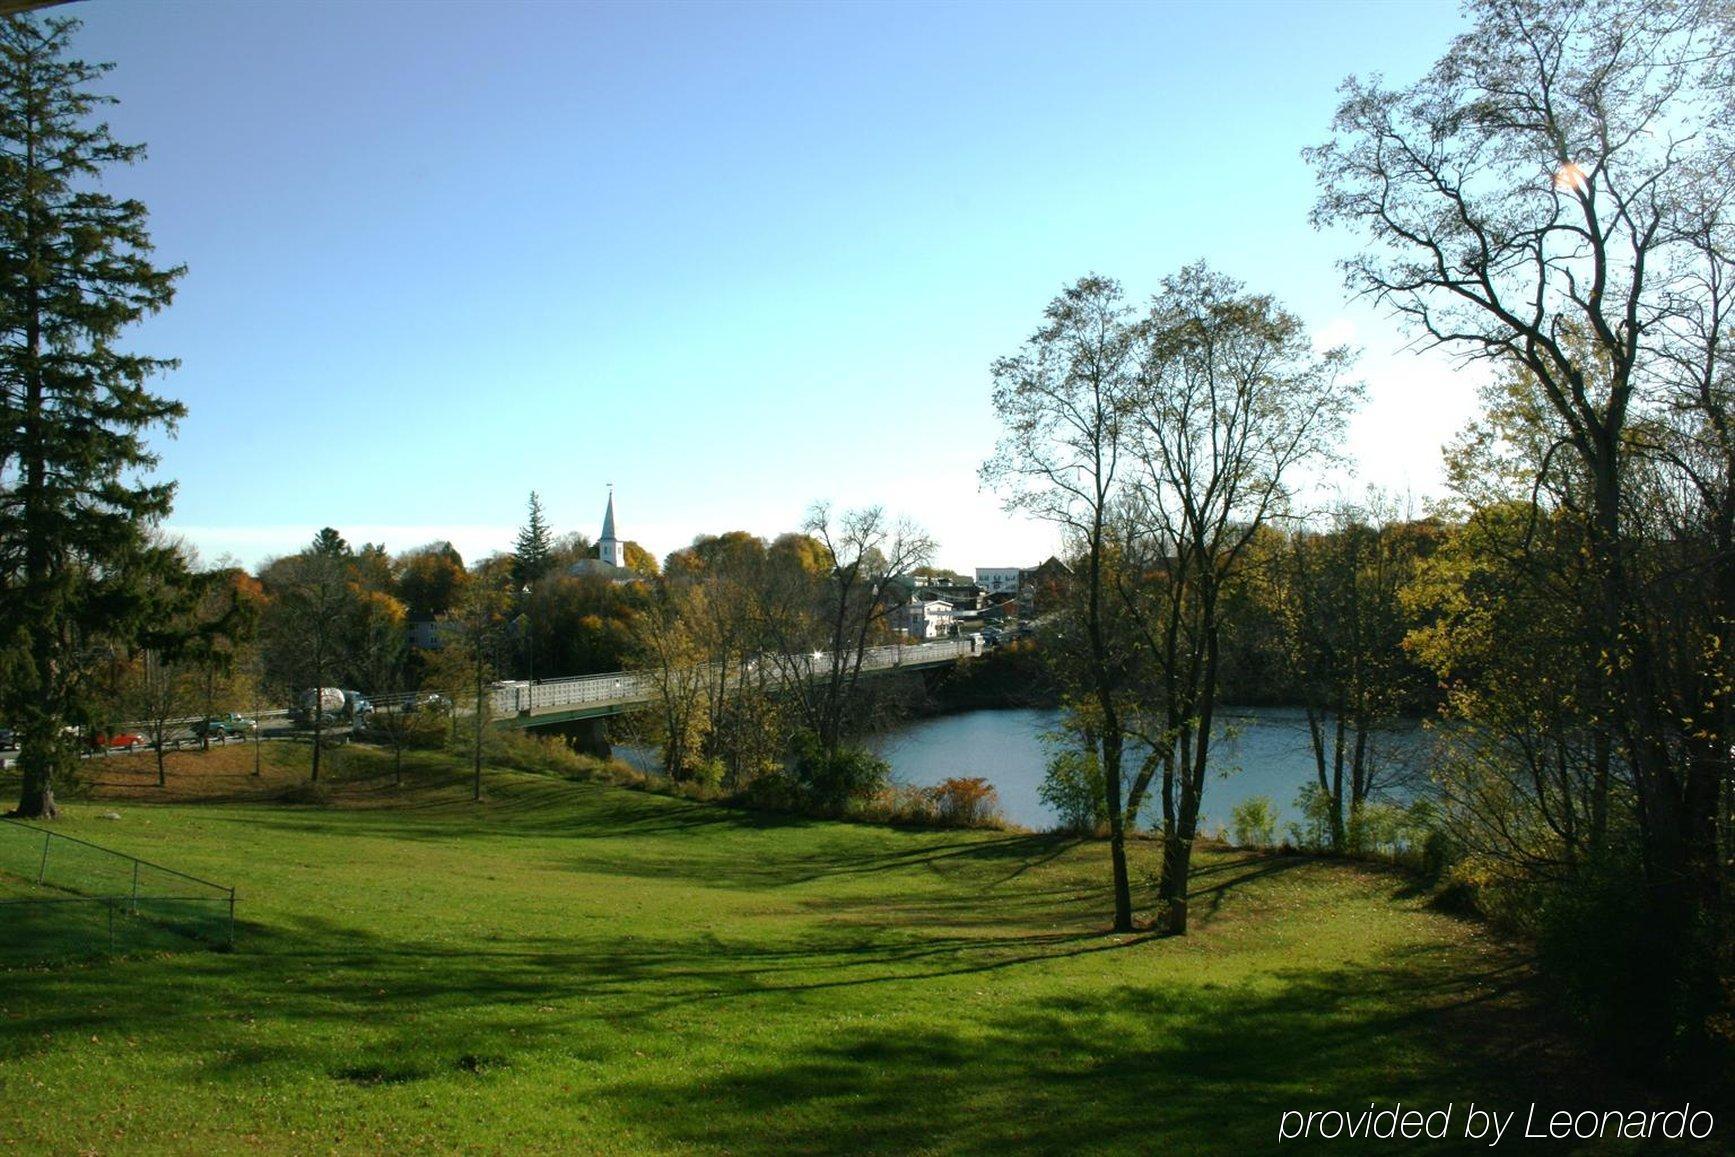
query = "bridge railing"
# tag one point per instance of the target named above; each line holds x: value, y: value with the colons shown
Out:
x: 617, y: 687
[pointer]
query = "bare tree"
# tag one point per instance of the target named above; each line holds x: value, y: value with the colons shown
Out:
x: 160, y: 691
x: 819, y: 624
x: 1231, y: 399
x: 473, y: 635
x: 1064, y: 400
x: 307, y: 629
x: 680, y: 669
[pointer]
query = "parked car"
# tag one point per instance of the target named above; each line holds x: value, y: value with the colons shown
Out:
x: 115, y: 740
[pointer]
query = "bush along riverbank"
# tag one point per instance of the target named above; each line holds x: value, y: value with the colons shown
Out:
x: 1010, y: 675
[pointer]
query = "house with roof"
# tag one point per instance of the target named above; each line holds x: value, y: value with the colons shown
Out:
x: 923, y: 618
x: 1041, y: 587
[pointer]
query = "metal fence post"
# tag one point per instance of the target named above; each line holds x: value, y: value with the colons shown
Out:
x: 231, y: 917
x: 42, y: 870
x: 135, y: 887
x: 109, y: 904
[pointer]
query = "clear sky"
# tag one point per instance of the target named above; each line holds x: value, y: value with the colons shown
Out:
x: 730, y: 258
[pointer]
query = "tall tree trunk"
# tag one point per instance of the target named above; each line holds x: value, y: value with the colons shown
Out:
x: 1178, y: 853
x: 1177, y: 868
x: 37, y: 757
x: 1338, y: 842
x: 40, y: 747
x: 1112, y: 738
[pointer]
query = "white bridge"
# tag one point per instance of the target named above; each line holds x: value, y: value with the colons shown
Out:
x: 583, y: 696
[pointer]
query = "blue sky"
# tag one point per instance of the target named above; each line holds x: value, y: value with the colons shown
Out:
x: 730, y: 258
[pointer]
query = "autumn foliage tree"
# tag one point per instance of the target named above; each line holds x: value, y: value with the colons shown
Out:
x: 1552, y: 198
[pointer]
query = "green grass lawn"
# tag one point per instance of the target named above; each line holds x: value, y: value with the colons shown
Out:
x: 573, y: 967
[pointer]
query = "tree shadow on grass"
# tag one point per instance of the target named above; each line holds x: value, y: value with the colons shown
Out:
x: 1116, y: 1069
x: 626, y: 833
x: 524, y: 806
x: 904, y: 1022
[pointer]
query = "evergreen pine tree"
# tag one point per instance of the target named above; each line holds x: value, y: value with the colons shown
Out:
x: 330, y: 544
x: 77, y: 566
x: 533, y: 552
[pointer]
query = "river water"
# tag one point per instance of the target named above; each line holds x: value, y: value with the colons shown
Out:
x: 1260, y: 751
x: 1264, y: 752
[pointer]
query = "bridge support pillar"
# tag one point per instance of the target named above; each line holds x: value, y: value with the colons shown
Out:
x: 590, y: 737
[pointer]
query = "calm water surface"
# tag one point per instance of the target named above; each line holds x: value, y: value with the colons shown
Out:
x: 1266, y: 753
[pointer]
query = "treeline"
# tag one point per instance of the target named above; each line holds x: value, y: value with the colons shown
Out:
x: 213, y: 641
x: 756, y: 647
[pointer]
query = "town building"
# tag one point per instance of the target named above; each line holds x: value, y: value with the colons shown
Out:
x: 998, y: 580
x: 1041, y: 587
x: 923, y: 618
x: 966, y: 598
x: 424, y: 632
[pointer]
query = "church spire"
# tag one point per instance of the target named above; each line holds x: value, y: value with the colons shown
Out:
x: 608, y: 547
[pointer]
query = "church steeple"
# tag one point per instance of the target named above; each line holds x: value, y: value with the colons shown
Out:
x: 608, y: 547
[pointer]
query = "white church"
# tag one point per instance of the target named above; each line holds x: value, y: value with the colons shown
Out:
x: 611, y: 560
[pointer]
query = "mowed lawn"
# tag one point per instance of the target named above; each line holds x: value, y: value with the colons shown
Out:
x: 573, y: 967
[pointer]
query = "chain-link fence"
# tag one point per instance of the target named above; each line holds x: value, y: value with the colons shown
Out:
x: 61, y: 896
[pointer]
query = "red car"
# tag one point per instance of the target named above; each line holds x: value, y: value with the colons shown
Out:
x: 116, y: 741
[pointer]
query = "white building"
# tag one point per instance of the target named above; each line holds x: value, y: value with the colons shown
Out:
x: 923, y: 619
x: 424, y: 633
x: 608, y: 547
x: 998, y: 580
x: 611, y: 555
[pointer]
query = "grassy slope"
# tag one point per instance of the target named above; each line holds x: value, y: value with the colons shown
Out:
x: 574, y: 967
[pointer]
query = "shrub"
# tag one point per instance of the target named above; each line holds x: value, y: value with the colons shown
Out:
x: 1407, y: 832
x: 527, y: 751
x: 426, y: 732
x: 707, y: 775
x: 1253, y: 822
x: 830, y: 780
x: 773, y: 793
x: 1313, y: 833
x: 966, y: 803
x: 1073, y: 788
x: 1591, y: 940
x: 901, y: 803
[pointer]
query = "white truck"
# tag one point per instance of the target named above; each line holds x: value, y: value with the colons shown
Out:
x: 329, y: 702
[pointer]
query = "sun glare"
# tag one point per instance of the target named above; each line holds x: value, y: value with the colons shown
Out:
x: 1569, y: 178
